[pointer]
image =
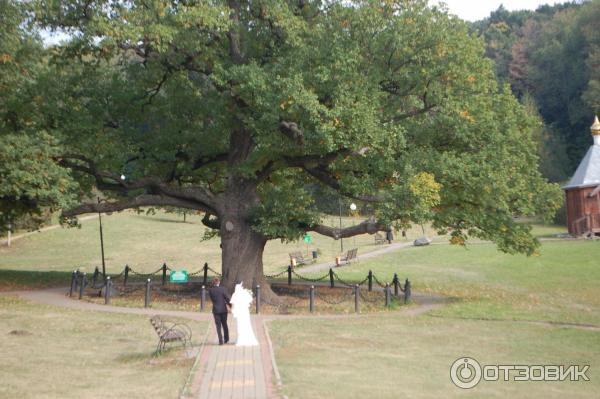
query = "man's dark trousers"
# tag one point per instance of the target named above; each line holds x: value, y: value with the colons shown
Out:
x: 221, y: 322
x: 220, y: 299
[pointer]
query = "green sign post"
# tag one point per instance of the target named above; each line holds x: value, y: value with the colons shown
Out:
x: 180, y: 276
x: 307, y: 238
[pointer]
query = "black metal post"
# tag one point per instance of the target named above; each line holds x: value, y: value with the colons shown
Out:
x: 290, y: 275
x: 312, y: 299
x: 73, y: 278
x: 257, y: 299
x: 407, y: 292
x: 331, y: 277
x: 126, y: 276
x: 164, y: 274
x: 82, y: 286
x: 77, y: 274
x: 202, y: 298
x: 147, y: 294
x: 95, y: 277
x: 205, y: 278
x: 102, y: 243
x: 370, y: 277
x: 357, y: 298
x: 396, y: 284
x: 388, y: 299
x: 107, y: 289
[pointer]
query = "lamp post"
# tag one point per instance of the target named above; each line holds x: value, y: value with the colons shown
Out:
x: 101, y: 242
x: 353, y: 208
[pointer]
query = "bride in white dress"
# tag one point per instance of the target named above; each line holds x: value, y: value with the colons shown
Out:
x: 240, y: 301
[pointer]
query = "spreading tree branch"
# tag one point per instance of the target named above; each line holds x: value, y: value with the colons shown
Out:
x: 370, y: 226
x: 202, y: 198
x: 130, y: 203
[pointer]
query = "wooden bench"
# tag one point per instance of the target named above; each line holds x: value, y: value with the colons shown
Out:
x: 379, y: 239
x: 350, y: 256
x: 299, y: 258
x: 170, y: 332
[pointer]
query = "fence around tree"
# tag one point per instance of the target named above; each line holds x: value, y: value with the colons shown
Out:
x: 129, y: 280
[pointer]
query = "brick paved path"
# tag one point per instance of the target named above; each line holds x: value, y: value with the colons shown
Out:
x: 235, y: 372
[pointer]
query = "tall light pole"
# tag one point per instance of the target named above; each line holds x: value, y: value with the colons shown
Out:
x: 353, y: 208
x: 101, y: 242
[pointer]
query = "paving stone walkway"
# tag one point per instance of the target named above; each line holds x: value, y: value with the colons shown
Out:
x: 232, y: 372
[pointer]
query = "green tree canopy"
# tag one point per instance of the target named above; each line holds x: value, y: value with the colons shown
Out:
x: 30, y: 181
x: 234, y: 107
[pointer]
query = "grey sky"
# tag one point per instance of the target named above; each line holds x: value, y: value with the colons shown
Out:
x: 473, y: 10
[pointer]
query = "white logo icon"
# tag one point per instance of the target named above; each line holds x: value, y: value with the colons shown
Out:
x: 465, y: 372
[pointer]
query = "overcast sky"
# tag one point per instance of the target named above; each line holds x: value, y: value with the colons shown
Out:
x: 473, y: 10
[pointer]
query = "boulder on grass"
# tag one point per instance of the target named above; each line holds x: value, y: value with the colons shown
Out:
x: 419, y: 242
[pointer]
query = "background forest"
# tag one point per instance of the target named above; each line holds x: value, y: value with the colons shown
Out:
x: 550, y: 57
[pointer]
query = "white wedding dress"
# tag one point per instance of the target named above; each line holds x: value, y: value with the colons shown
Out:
x: 240, y: 301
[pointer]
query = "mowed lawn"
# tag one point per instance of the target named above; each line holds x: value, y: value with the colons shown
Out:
x: 506, y: 310
x: 145, y: 242
x: 49, y: 352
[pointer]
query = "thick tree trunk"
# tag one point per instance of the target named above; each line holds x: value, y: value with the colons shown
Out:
x: 242, y: 253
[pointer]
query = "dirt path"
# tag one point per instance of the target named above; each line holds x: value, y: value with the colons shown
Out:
x: 54, y: 226
x: 377, y: 252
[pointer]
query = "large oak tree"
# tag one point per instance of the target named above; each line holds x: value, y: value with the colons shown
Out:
x: 237, y: 108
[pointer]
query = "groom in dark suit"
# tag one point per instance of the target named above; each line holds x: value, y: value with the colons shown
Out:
x: 220, y: 300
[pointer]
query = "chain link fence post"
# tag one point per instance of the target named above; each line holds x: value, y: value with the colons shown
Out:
x: 126, y: 276
x: 205, y: 277
x: 107, y: 288
x: 331, y: 283
x: 164, y: 274
x: 289, y: 271
x: 95, y: 277
x: 82, y: 286
x: 73, y: 277
x: 77, y: 274
x: 388, y: 300
x: 407, y: 290
x: 311, y: 305
x: 202, y: 298
x: 370, y: 277
x: 396, y: 284
x: 147, y: 294
x: 357, y: 298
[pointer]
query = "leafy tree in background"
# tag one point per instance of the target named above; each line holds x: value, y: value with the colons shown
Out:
x: 31, y: 183
x: 233, y: 108
x: 551, y: 54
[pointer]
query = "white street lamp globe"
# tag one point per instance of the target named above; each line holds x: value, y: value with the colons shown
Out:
x: 122, y: 177
x: 353, y: 206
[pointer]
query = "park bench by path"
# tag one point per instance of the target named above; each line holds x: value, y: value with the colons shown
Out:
x: 299, y: 258
x: 379, y: 239
x: 170, y: 332
x: 350, y: 256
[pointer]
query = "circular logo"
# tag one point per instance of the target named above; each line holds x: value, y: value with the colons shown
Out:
x: 465, y: 372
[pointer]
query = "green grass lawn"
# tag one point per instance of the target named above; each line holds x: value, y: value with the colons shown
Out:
x: 385, y: 356
x: 146, y: 241
x: 562, y: 284
x: 503, y: 304
x: 49, y: 352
